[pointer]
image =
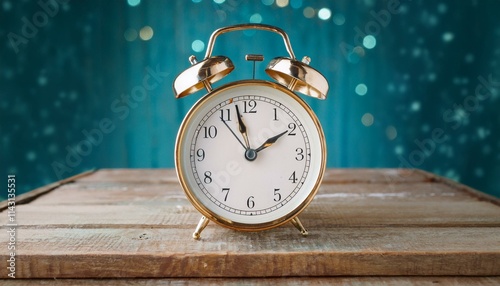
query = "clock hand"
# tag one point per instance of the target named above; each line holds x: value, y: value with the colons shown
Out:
x: 233, y: 133
x: 270, y: 141
x: 242, y: 127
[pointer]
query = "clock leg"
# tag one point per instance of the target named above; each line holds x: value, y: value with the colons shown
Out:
x: 200, y: 227
x: 296, y: 222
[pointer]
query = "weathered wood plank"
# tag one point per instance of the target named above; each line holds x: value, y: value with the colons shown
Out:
x: 129, y: 252
x: 463, y: 188
x: 131, y: 193
x: 38, y: 192
x: 295, y: 281
x: 385, y: 176
x: 125, y: 204
x: 321, y: 213
x: 151, y: 176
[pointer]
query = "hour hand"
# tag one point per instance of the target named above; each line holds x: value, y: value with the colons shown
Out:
x: 270, y: 141
x: 242, y: 127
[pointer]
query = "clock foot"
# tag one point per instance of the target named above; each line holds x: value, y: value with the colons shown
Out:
x: 296, y: 222
x: 200, y: 227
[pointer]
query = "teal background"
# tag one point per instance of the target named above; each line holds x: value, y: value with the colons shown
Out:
x: 422, y: 92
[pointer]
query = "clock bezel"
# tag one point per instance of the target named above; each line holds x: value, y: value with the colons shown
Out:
x: 204, y: 210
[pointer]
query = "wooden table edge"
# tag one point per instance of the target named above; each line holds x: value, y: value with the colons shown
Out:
x: 31, y: 195
x: 461, y: 187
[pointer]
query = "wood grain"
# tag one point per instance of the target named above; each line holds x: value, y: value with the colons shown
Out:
x: 363, y: 222
x: 294, y: 281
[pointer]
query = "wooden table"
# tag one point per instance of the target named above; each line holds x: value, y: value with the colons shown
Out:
x: 387, y: 226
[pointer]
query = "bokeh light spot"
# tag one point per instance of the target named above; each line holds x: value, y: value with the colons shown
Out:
x: 296, y: 4
x: 130, y: 35
x: 197, y: 46
x: 369, y: 42
x: 308, y: 12
x: 469, y: 58
x: 6, y: 6
x: 338, y: 19
x: 256, y: 18
x: 399, y: 150
x: 415, y: 106
x: 133, y: 3
x: 281, y: 3
x: 146, y: 33
x: 361, y: 89
x: 30, y: 156
x: 442, y: 8
x: 448, y: 37
x: 367, y: 119
x: 391, y: 132
x: 324, y: 13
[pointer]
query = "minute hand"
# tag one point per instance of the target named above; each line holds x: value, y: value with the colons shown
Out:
x: 242, y: 128
x: 270, y: 141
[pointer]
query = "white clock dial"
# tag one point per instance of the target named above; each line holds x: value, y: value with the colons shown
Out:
x: 258, y: 172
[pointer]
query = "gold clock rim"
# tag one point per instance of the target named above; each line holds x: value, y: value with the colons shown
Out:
x: 205, y: 211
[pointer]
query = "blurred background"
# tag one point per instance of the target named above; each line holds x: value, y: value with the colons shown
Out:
x: 88, y: 84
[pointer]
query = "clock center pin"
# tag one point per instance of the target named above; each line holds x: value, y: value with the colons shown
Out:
x: 250, y: 154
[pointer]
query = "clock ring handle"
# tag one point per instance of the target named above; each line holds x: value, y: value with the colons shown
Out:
x: 241, y: 27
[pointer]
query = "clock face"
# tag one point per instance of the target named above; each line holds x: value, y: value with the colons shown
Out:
x: 250, y: 155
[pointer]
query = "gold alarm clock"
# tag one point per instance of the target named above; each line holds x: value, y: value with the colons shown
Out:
x: 250, y: 155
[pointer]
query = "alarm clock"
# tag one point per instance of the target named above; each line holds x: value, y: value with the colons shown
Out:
x: 250, y: 155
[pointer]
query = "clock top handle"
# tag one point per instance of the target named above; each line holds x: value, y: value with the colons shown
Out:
x: 295, y: 75
x: 241, y: 27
